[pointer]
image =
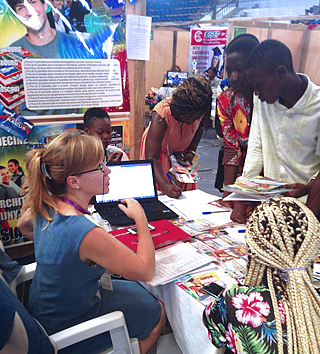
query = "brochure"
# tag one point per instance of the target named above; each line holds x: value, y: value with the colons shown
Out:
x: 257, y: 187
x: 174, y: 261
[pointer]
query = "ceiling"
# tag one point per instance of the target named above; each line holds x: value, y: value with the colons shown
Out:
x: 178, y: 10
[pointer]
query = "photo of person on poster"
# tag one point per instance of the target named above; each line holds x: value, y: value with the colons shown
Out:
x: 41, y: 39
x: 6, y: 181
x: 54, y: 17
x: 215, y: 61
x: 75, y: 12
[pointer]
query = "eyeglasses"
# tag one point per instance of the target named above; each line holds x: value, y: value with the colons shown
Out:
x: 99, y: 168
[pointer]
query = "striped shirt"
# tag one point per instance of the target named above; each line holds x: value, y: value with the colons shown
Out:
x: 285, y: 141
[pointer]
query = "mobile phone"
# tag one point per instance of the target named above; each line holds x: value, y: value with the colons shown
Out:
x: 134, y: 230
x: 213, y: 289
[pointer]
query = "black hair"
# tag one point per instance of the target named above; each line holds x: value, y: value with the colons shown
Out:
x: 14, y: 3
x: 192, y: 96
x: 16, y: 162
x: 244, y: 43
x: 214, y: 69
x: 269, y: 55
x: 92, y: 114
x: 2, y: 167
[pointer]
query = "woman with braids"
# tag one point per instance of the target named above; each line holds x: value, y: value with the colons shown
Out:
x: 71, y: 285
x: 176, y: 126
x: 278, y: 309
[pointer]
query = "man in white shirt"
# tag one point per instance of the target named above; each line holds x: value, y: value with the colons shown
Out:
x: 284, y: 138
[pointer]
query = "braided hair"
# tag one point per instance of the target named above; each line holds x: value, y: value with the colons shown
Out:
x: 283, y: 242
x: 194, y: 95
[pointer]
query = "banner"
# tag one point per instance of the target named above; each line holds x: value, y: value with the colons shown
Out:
x: 207, y: 48
x: 60, y: 58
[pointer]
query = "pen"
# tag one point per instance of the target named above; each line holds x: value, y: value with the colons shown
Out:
x: 159, y: 234
x: 242, y: 231
x: 212, y: 212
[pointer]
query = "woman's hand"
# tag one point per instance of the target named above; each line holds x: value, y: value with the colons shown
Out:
x: 115, y: 156
x: 132, y: 208
x: 171, y: 190
x: 188, y: 156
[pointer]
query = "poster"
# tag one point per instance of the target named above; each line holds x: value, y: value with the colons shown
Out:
x: 59, y: 59
x: 13, y: 176
x: 207, y: 48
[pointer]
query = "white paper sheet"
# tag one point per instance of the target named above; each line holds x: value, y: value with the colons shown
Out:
x: 174, y: 261
x: 138, y: 30
x: 191, y: 204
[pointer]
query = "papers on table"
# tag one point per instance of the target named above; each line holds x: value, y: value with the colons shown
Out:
x: 194, y: 282
x: 192, y: 204
x: 175, y: 261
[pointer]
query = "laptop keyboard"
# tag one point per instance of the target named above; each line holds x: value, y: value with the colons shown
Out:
x: 148, y: 207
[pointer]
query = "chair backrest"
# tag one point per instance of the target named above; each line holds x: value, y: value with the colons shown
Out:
x: 113, y: 322
x: 20, y: 333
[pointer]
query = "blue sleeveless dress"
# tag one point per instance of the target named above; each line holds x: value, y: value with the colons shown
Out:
x: 65, y: 291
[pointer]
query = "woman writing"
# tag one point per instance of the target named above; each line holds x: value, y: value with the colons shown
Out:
x: 72, y: 253
x: 176, y: 126
x: 278, y: 309
x: 234, y: 108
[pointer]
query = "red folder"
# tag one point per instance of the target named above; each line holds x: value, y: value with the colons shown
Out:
x: 165, y: 233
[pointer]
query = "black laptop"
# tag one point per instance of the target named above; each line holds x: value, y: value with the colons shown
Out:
x: 132, y: 179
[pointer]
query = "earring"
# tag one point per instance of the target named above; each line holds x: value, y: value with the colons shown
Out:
x: 78, y: 187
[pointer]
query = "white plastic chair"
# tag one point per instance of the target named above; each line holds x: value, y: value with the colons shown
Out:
x: 113, y: 322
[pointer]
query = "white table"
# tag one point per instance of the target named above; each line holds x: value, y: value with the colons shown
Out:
x: 183, y: 311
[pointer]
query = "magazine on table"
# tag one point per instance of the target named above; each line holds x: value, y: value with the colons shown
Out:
x: 195, y: 283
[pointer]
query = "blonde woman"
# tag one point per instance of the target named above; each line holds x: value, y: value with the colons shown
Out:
x: 278, y: 310
x: 72, y: 253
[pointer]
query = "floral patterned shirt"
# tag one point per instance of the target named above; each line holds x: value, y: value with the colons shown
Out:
x: 242, y: 319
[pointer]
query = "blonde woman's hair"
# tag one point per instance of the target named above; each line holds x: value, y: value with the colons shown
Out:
x: 70, y: 153
x: 283, y: 238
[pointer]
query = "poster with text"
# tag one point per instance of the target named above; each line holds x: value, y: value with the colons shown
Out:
x: 13, y: 176
x: 207, y: 48
x: 61, y: 58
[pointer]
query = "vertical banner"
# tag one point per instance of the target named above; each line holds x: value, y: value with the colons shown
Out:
x: 61, y: 58
x: 13, y: 176
x: 207, y: 48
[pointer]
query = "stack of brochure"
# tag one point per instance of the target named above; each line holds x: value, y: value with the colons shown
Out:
x: 256, y: 189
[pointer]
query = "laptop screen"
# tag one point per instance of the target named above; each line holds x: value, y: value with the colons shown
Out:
x: 176, y: 78
x: 129, y: 179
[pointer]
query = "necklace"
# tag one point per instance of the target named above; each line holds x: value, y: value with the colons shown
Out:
x: 77, y: 206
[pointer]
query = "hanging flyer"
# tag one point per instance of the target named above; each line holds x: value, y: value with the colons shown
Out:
x: 207, y: 49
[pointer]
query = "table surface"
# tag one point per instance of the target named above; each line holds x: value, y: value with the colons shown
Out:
x: 183, y: 311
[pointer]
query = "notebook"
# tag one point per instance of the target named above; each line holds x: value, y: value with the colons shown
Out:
x: 132, y: 179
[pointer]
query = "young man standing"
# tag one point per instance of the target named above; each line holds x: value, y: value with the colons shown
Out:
x: 284, y: 138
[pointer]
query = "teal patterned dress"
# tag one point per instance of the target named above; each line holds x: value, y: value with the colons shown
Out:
x: 242, y: 320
